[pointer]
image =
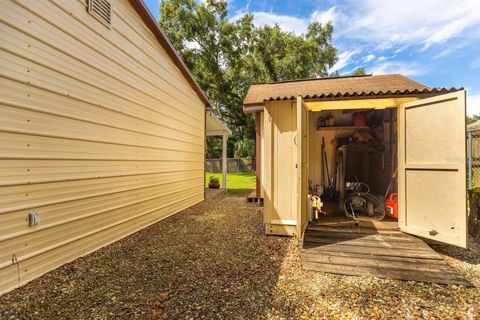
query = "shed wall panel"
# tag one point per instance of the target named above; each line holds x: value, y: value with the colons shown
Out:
x: 262, y: 152
x: 100, y: 133
x: 267, y: 179
x: 279, y: 183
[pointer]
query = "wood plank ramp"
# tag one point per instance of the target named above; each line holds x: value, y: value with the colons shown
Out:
x: 370, y: 252
x: 252, y: 197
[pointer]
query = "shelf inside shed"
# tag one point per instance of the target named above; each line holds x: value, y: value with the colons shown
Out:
x: 343, y: 128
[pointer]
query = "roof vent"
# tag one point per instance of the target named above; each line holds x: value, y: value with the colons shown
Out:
x: 102, y: 10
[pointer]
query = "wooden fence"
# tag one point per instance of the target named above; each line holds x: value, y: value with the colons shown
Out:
x: 234, y: 165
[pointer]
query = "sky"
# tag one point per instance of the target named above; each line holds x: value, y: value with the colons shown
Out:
x: 435, y: 42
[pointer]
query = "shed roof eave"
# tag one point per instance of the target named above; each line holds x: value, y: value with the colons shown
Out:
x: 257, y: 107
x: 252, y: 108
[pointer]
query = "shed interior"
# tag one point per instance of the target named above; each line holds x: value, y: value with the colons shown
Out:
x: 352, y: 166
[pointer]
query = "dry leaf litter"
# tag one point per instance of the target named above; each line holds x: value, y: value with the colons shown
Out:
x: 213, y: 261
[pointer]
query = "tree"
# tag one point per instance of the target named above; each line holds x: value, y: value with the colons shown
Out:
x: 245, y: 148
x: 472, y: 118
x: 226, y: 56
x: 359, y: 72
x: 214, y: 147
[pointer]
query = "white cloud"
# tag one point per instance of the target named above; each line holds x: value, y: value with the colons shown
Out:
x: 450, y: 30
x: 404, y: 22
x: 475, y: 63
x: 386, y: 23
x: 450, y: 48
x: 401, y: 49
x: 473, y: 104
x: 384, y: 45
x: 379, y: 25
x: 443, y: 54
x: 289, y: 23
x: 405, y: 68
x: 247, y: 5
x: 324, y: 17
x: 368, y: 58
x: 344, y: 59
x: 286, y: 23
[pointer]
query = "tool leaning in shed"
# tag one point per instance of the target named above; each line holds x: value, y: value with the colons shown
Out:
x: 330, y: 193
x: 315, y: 202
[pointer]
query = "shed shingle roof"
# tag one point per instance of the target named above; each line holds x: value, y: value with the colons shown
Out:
x: 338, y: 87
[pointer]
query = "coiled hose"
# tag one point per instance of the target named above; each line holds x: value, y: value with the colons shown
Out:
x: 364, y: 197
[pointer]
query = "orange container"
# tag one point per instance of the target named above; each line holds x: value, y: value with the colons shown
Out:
x: 359, y: 119
x: 391, y: 205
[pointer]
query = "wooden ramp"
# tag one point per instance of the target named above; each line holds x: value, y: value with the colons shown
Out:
x: 252, y: 197
x: 380, y: 253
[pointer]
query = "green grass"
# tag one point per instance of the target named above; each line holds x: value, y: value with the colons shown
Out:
x: 236, y: 182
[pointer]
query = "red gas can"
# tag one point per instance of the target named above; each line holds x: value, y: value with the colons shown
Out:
x: 391, y: 205
x: 359, y: 119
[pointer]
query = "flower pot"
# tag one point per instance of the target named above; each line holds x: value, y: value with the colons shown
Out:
x: 214, y: 185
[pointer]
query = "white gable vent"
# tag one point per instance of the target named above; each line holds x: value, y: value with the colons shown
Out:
x: 102, y: 10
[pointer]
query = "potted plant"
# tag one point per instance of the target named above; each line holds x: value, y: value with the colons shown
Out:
x: 213, y: 183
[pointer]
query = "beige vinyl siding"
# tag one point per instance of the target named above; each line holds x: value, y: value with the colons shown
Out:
x: 100, y: 133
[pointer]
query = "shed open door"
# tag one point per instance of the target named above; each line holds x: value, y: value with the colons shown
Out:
x: 432, y: 180
x: 302, y: 165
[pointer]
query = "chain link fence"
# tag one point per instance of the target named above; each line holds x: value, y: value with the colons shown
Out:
x: 473, y: 176
x: 473, y: 158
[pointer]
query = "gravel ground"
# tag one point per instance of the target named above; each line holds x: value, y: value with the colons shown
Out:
x: 213, y: 261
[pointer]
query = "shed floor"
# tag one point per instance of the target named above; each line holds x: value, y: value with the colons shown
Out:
x: 337, y: 218
x: 367, y: 250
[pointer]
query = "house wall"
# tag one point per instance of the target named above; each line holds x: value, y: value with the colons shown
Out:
x: 100, y: 134
x: 279, y: 178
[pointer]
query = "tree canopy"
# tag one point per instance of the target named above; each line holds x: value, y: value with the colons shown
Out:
x: 472, y: 118
x: 226, y: 56
x: 359, y: 72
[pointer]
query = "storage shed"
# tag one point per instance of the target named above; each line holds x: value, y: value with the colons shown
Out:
x: 102, y: 130
x: 331, y: 137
